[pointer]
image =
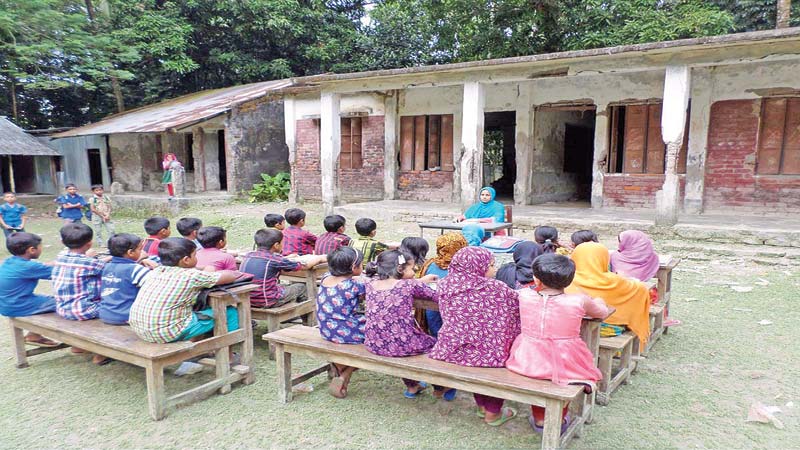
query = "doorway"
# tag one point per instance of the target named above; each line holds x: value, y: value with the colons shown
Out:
x: 18, y: 174
x: 95, y: 166
x: 499, y: 152
x: 223, y: 166
x: 564, y: 143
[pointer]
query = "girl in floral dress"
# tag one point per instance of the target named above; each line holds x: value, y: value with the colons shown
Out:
x: 337, y: 305
x: 391, y: 329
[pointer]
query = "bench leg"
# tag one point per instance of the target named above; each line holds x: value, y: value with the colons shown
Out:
x: 156, y: 399
x: 626, y: 362
x: 284, y: 369
x: 222, y: 355
x: 18, y: 338
x: 310, y: 319
x: 551, y: 437
x: 272, y: 326
x: 604, y: 364
x: 247, y: 344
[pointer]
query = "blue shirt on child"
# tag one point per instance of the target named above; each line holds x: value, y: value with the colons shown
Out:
x: 120, y: 283
x: 12, y: 214
x: 71, y: 213
x: 18, y: 279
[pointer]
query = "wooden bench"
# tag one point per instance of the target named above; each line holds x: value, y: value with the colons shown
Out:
x: 659, y: 309
x: 120, y: 343
x: 274, y: 317
x: 497, y: 382
x: 609, y: 348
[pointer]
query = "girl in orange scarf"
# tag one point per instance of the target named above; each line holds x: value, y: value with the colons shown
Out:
x: 630, y: 298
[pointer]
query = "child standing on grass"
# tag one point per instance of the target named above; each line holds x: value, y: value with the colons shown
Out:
x: 12, y: 215
x: 157, y: 229
x: 296, y: 240
x: 71, y: 205
x: 550, y: 345
x: 266, y: 265
x: 188, y: 228
x: 334, y: 236
x: 19, y: 276
x: 365, y: 242
x: 162, y: 311
x: 391, y: 329
x: 213, y: 240
x: 337, y: 309
x: 122, y: 278
x: 100, y: 205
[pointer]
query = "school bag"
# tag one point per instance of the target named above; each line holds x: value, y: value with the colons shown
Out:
x: 202, y: 298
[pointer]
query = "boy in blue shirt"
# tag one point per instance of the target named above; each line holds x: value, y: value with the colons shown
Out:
x: 19, y: 276
x: 71, y: 205
x: 122, y: 277
x: 12, y: 215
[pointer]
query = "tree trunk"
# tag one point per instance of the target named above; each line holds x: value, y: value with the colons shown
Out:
x: 115, y: 87
x: 784, y: 12
x: 14, y: 111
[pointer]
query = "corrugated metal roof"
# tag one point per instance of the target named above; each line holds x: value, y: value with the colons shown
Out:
x: 15, y: 141
x: 177, y: 112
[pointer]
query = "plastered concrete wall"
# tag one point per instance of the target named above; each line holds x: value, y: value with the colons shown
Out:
x: 126, y: 153
x: 255, y: 143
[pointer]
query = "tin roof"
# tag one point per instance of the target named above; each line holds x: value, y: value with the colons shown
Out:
x: 15, y: 141
x: 177, y: 112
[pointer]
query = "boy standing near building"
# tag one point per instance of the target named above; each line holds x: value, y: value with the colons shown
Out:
x: 71, y: 205
x: 12, y: 215
x: 100, y: 205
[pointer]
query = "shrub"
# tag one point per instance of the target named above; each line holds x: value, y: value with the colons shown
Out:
x: 273, y: 188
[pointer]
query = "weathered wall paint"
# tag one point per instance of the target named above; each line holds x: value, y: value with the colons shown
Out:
x: 75, y: 158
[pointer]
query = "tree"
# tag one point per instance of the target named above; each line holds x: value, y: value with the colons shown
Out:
x: 784, y: 12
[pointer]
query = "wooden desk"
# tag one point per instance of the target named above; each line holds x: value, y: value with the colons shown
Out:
x: 488, y: 227
x: 310, y: 277
x: 664, y: 276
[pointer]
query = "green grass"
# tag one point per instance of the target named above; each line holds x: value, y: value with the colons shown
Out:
x: 694, y: 390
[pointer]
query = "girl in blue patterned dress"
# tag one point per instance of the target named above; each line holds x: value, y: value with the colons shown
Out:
x: 337, y: 309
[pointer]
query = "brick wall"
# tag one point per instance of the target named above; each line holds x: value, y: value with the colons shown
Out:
x: 366, y: 183
x: 425, y: 186
x: 634, y: 190
x: 308, y: 181
x: 730, y: 180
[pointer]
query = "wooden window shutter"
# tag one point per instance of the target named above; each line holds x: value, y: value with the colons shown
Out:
x: 446, y: 157
x: 345, y: 153
x: 634, y: 140
x: 407, y: 143
x: 434, y: 140
x: 350, y: 153
x: 656, y: 150
x: 791, y: 140
x: 770, y: 139
x: 419, y: 142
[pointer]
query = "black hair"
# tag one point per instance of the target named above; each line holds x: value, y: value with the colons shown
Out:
x: 554, y: 271
x: 417, y: 247
x: 270, y: 220
x: 579, y: 237
x: 9, y: 192
x: 209, y: 237
x: 343, y: 260
x: 96, y: 186
x: 119, y: 244
x: 76, y: 235
x: 265, y: 238
x: 69, y: 185
x: 547, y: 237
x: 186, y: 225
x: 365, y: 226
x: 155, y: 224
x: 387, y: 265
x: 172, y: 250
x: 18, y: 243
x: 333, y: 223
x: 294, y: 215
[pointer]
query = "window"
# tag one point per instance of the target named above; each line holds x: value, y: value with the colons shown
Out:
x: 779, y: 137
x: 426, y: 143
x: 350, y: 154
x: 636, y: 142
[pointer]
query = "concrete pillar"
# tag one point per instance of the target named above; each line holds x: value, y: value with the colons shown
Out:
x: 523, y: 142
x: 472, y: 142
x: 700, y: 115
x: 391, y: 129
x: 198, y: 151
x: 600, y: 159
x: 289, y: 130
x: 330, y: 145
x: 677, y: 83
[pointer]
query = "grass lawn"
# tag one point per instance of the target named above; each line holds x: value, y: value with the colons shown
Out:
x: 694, y: 389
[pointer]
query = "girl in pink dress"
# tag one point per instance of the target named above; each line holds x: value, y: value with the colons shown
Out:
x: 550, y: 346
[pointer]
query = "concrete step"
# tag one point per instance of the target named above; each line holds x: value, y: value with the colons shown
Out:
x: 707, y: 251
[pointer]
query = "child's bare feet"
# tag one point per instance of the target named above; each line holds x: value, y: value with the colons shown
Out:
x: 100, y: 360
x: 39, y: 340
x: 77, y: 351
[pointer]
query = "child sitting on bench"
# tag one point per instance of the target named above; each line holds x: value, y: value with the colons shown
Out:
x: 214, y: 240
x: 122, y: 278
x: 552, y: 349
x: 337, y: 309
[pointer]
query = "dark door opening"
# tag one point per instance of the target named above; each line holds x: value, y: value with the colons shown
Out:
x: 223, y: 166
x: 95, y: 166
x: 21, y: 170
x: 499, y: 152
x: 578, y: 156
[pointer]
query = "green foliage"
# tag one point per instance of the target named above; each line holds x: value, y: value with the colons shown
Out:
x: 273, y: 188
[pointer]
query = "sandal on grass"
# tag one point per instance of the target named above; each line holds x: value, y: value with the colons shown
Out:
x: 408, y: 394
x: 506, y: 414
x: 480, y: 413
x: 540, y: 429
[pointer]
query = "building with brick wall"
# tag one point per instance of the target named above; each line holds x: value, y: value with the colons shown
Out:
x: 695, y: 125
x: 225, y: 138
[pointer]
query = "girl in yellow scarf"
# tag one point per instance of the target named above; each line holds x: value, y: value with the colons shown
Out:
x: 630, y: 298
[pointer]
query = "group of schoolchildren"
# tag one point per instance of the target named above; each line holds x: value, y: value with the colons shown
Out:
x: 525, y: 317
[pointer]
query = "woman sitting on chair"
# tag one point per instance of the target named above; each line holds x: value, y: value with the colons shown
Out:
x: 486, y: 208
